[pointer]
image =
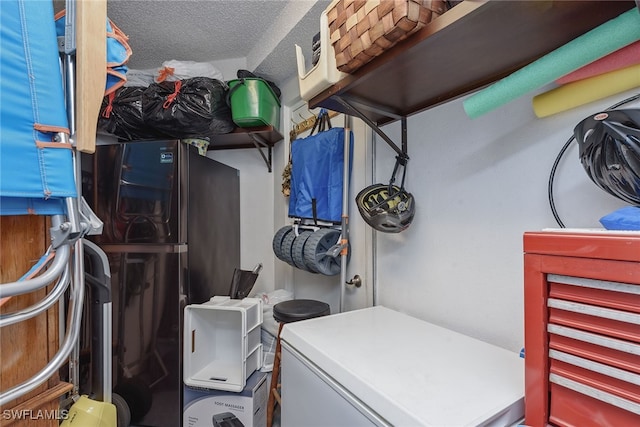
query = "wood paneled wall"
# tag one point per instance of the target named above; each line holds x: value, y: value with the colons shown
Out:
x: 26, y: 347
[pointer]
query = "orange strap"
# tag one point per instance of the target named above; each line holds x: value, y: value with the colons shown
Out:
x: 50, y: 128
x: 109, y: 108
x: 171, y: 97
x: 165, y: 72
x: 345, y: 247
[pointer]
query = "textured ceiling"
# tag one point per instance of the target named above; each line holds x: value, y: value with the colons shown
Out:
x: 262, y: 31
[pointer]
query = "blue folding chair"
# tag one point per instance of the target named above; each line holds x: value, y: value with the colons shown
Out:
x: 38, y: 171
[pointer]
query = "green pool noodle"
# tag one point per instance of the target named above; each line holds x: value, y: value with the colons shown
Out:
x: 600, y: 41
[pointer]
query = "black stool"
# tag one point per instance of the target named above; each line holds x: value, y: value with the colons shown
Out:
x: 287, y: 312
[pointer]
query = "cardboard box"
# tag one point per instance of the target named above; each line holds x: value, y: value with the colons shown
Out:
x: 248, y: 408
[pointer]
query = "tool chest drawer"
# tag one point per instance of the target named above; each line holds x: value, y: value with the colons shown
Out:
x: 576, y: 408
x: 616, y: 353
x: 604, y: 308
x: 620, y: 296
x: 610, y: 313
x: 582, y: 335
x: 621, y: 388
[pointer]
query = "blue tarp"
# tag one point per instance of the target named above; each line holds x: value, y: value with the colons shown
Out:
x: 36, y: 173
x: 317, y: 168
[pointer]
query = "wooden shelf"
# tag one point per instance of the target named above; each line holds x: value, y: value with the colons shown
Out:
x: 239, y: 138
x: 261, y: 138
x: 470, y: 46
x: 267, y: 136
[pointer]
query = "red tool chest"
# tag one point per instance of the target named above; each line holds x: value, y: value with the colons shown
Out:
x: 582, y: 328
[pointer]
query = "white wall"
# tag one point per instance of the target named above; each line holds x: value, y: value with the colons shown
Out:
x: 256, y: 198
x: 256, y: 212
x: 230, y: 67
x: 479, y: 185
x: 264, y: 209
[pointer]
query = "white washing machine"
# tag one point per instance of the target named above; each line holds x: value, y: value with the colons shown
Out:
x: 377, y: 366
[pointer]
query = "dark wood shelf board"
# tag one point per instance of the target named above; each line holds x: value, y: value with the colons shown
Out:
x: 467, y: 48
x: 242, y: 138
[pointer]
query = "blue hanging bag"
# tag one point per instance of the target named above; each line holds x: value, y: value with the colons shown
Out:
x: 317, y: 173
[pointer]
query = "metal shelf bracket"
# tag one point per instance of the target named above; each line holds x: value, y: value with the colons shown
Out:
x: 354, y: 111
x: 259, y: 142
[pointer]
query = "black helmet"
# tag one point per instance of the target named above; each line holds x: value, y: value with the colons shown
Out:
x: 386, y: 208
x: 610, y: 152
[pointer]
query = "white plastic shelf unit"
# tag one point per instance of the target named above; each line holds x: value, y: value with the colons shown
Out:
x: 222, y: 345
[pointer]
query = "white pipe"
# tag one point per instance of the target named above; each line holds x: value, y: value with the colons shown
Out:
x: 374, y: 234
x: 73, y: 328
x: 107, y: 372
x: 40, y: 307
x: 78, y: 270
x: 78, y: 279
x: 345, y: 209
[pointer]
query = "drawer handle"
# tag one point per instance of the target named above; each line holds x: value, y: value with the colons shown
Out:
x: 596, y: 339
x: 595, y: 284
x: 603, y: 396
x: 590, y: 365
x: 592, y: 310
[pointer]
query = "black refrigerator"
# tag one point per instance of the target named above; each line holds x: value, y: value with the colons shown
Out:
x: 172, y: 235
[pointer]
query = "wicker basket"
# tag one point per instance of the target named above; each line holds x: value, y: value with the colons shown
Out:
x: 360, y: 30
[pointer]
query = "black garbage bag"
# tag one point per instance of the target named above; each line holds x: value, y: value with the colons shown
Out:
x: 189, y: 108
x: 121, y: 115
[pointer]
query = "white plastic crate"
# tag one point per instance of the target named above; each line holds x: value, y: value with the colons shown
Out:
x: 324, y: 73
x: 222, y: 345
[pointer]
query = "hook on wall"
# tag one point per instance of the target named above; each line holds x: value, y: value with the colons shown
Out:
x: 356, y: 281
x: 306, y: 124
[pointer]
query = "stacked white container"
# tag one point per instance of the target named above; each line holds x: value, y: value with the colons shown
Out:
x: 222, y: 343
x: 325, y: 72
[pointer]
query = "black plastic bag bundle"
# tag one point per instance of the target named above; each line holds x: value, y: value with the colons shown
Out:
x: 121, y: 115
x: 190, y: 108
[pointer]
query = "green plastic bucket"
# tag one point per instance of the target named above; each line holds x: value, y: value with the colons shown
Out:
x: 253, y: 103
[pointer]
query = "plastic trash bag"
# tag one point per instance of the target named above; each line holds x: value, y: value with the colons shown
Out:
x: 174, y: 70
x: 270, y: 299
x: 121, y: 115
x: 140, y: 78
x: 188, y: 108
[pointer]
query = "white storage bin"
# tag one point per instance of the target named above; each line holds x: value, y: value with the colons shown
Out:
x: 269, y: 342
x: 324, y: 73
x: 222, y: 346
